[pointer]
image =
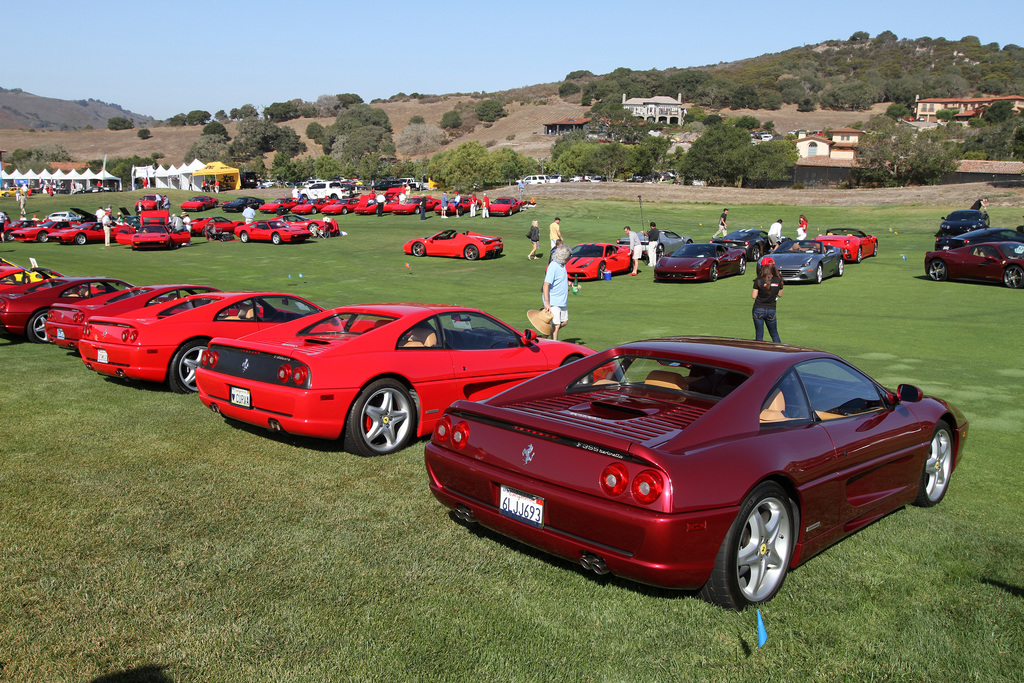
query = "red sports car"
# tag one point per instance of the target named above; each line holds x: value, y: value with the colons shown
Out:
x: 701, y: 261
x: 24, y: 312
x: 163, y: 343
x: 275, y: 231
x: 200, y: 203
x: 39, y: 231
x: 990, y: 262
x: 506, y: 206
x: 10, y: 227
x: 593, y: 260
x: 282, y: 205
x: 65, y: 321
x: 154, y: 236
x: 313, y: 205
x: 453, y: 210
x: 855, y: 244
x: 215, y: 227
x: 149, y: 202
x: 84, y: 233
x: 694, y: 463
x: 468, y: 245
x: 377, y: 374
x: 341, y: 206
x: 14, y: 278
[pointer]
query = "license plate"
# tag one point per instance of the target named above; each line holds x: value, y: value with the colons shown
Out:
x: 60, y: 333
x: 524, y: 507
x: 101, y: 355
x: 241, y: 397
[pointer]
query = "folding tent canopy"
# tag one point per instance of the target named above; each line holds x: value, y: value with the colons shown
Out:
x: 230, y: 179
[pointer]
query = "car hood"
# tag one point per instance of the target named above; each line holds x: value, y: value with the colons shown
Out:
x: 794, y: 260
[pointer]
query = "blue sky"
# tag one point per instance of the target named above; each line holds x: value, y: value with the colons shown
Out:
x: 163, y: 58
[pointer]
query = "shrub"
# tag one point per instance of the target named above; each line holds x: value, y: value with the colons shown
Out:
x: 215, y: 128
x: 144, y: 134
x: 490, y: 110
x: 119, y: 123
x: 799, y: 186
x: 568, y: 88
x: 451, y: 120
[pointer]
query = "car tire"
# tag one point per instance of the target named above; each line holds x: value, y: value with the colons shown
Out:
x: 80, y: 238
x: 275, y: 238
x: 7, y: 235
x: 344, y: 210
x: 601, y: 267
x: 35, y: 330
x: 937, y: 270
x: 1013, y: 277
x: 842, y: 268
x: 419, y: 249
x: 571, y: 358
x: 755, y: 253
x: 382, y: 419
x: 754, y: 558
x: 244, y: 237
x: 41, y: 236
x: 860, y: 255
x: 713, y: 273
x: 819, y: 274
x: 743, y: 266
x: 181, y: 375
x: 937, y: 467
x: 471, y: 253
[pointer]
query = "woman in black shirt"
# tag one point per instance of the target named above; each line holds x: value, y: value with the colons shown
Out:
x: 767, y: 290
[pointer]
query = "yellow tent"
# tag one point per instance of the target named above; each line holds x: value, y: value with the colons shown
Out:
x: 229, y: 177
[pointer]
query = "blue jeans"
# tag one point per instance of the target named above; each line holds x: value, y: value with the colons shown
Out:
x: 762, y: 317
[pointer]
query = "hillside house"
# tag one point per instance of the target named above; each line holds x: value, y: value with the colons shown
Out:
x: 658, y: 109
x: 842, y: 144
x: 966, y: 107
x: 566, y: 126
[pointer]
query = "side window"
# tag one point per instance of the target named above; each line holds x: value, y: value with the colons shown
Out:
x: 786, y: 404
x: 837, y: 390
x: 473, y: 331
x: 239, y: 311
x: 422, y: 335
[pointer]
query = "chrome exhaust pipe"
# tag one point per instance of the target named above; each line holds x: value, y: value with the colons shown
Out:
x: 215, y: 408
x: 592, y: 562
x: 274, y: 426
x: 465, y: 515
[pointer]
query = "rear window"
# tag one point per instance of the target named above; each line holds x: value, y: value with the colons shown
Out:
x: 186, y: 305
x: 345, y: 323
x: 661, y: 374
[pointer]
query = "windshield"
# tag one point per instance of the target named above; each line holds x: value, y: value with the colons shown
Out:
x: 800, y: 247
x: 703, y: 250
x: 661, y: 374
x: 587, y: 250
x: 741, y: 234
x: 1014, y: 251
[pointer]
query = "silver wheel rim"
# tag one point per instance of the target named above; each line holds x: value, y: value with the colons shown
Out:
x: 841, y: 266
x: 39, y: 327
x: 1013, y: 277
x: 187, y: 368
x: 937, y: 467
x: 764, y: 547
x: 937, y: 270
x: 818, y: 274
x: 385, y: 423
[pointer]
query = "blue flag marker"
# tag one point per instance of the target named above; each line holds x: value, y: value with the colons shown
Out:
x: 762, y: 634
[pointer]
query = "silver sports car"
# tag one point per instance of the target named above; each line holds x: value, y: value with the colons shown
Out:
x: 807, y: 261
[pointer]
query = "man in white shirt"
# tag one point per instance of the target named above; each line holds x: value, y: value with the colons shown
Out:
x: 249, y: 214
x: 775, y: 233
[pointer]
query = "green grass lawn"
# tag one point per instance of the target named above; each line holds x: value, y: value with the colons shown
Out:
x: 140, y: 533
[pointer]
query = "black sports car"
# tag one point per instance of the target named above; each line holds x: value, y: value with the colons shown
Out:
x: 959, y: 222
x: 755, y: 241
x: 978, y: 237
x: 238, y: 205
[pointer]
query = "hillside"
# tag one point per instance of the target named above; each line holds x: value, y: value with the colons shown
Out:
x: 19, y: 109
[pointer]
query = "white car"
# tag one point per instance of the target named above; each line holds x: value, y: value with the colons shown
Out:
x: 535, y: 180
x: 326, y: 188
x: 64, y: 216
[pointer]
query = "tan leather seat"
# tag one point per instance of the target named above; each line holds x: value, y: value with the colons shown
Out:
x: 774, y: 411
x: 666, y: 380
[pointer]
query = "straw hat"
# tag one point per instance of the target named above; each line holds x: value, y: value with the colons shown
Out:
x: 542, y: 321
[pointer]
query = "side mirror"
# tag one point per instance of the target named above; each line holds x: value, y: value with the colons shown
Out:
x: 908, y: 393
x: 530, y: 336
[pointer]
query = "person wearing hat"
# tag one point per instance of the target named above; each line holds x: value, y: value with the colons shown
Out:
x: 556, y: 289
x: 767, y: 290
x: 186, y: 221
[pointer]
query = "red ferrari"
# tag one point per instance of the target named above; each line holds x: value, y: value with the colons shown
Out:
x: 341, y: 206
x: 282, y: 205
x: 506, y: 206
x: 214, y: 226
x: 154, y: 236
x: 149, y: 202
x: 200, y: 203
x: 855, y: 244
x: 275, y: 231
x: 701, y: 261
x: 164, y: 342
x: 468, y: 245
x: 24, y: 312
x: 38, y: 231
x: 10, y: 227
x: 453, y: 209
x: 85, y: 233
x: 989, y: 262
x: 377, y: 374
x: 694, y: 463
x: 593, y: 260
x: 65, y: 321
x: 14, y: 278
x: 313, y: 205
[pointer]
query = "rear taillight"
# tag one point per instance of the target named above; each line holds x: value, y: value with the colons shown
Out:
x: 460, y: 436
x: 443, y: 429
x: 300, y: 374
x: 129, y: 336
x: 284, y: 373
x: 614, y: 479
x: 87, y: 330
x: 79, y: 318
x: 647, y: 486
x: 209, y: 358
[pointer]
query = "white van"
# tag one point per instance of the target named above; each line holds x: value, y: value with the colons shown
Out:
x: 535, y: 180
x: 325, y: 188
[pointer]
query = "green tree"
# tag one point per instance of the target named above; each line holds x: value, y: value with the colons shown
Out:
x: 507, y: 165
x: 327, y: 166
x: 1001, y: 110
x: 208, y: 148
x: 1017, y: 146
x: 946, y: 114
x: 901, y: 156
x: 465, y: 167
x: 281, y: 111
x: 611, y: 159
x: 415, y: 119
x: 197, y: 117
x: 719, y: 157
x: 859, y: 37
x: 770, y: 161
x: 451, y: 120
x: 348, y: 99
x: 568, y: 88
x: 649, y: 155
x: 897, y: 111
x: 177, y: 120
x: 119, y: 123
x: 746, y: 122
x: 806, y: 104
x: 216, y: 128
x: 490, y: 110
x: 744, y: 97
x: 221, y: 116
x: 315, y: 132
x: 144, y: 134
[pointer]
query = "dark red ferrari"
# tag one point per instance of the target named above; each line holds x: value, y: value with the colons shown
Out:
x: 701, y: 261
x: 991, y: 262
x: 24, y: 312
x: 694, y: 463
